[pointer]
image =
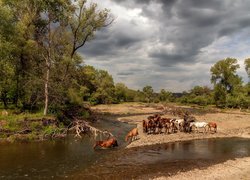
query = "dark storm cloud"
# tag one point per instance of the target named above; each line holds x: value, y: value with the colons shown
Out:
x: 112, y: 40
x: 195, y: 24
x: 174, y: 34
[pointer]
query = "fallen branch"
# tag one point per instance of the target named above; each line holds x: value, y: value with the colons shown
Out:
x: 83, y: 127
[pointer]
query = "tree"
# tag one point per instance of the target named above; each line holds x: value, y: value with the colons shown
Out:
x: 224, y: 73
x: 85, y: 22
x: 148, y: 93
x: 199, y: 90
x: 227, y: 83
x: 247, y: 66
x: 165, y: 96
x: 121, y: 92
x: 105, y: 88
x: 77, y: 24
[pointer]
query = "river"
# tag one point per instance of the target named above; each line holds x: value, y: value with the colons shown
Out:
x: 75, y: 158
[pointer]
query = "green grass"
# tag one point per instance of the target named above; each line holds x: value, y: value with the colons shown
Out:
x: 23, y: 116
x: 16, y: 122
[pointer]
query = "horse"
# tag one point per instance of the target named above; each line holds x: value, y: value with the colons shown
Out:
x: 167, y: 127
x: 112, y: 142
x: 145, y: 126
x: 132, y: 134
x: 179, y: 123
x: 212, y: 125
x: 159, y: 125
x: 173, y: 126
x: 198, y: 125
x: 151, y: 126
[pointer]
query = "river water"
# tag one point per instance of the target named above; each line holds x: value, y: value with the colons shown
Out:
x: 75, y: 159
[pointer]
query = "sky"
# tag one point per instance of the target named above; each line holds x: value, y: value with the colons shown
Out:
x: 170, y: 44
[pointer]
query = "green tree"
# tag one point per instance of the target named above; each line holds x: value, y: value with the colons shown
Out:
x: 224, y: 73
x: 225, y: 80
x: 165, y: 96
x: 247, y: 66
x: 148, y: 93
x: 121, y: 92
x: 105, y: 88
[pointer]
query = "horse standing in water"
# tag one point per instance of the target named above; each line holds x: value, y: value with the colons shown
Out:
x: 132, y: 135
x: 212, y: 125
x: 112, y: 142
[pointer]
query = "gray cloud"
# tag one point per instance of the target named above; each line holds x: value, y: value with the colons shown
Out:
x: 153, y: 41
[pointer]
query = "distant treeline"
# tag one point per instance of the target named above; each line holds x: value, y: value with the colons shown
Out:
x: 40, y: 68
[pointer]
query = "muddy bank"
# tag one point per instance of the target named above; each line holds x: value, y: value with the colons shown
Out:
x: 229, y: 170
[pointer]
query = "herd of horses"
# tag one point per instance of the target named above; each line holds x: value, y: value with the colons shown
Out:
x: 156, y: 124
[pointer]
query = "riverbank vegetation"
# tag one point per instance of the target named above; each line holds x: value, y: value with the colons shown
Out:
x: 43, y: 76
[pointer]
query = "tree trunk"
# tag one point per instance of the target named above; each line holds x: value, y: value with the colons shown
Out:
x: 46, y: 92
x: 4, y: 99
x: 48, y: 63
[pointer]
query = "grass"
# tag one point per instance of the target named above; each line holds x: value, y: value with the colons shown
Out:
x: 13, y: 123
x: 23, y: 116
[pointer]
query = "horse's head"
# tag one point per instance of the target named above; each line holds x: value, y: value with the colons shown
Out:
x: 115, y: 143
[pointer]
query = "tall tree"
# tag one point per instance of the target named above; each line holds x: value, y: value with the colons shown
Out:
x: 247, y: 66
x: 85, y: 22
x: 76, y: 24
x: 226, y: 82
x: 224, y: 73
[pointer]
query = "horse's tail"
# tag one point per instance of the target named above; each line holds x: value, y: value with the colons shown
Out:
x: 215, y: 127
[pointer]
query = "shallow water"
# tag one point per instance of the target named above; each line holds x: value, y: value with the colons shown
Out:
x: 58, y: 158
x: 167, y: 158
x: 76, y: 159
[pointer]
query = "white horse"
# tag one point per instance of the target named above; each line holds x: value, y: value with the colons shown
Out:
x: 179, y: 123
x: 199, y: 125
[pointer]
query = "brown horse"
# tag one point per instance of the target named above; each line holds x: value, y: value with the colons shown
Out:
x: 112, y: 142
x: 151, y: 126
x: 132, y: 135
x: 212, y: 125
x: 145, y: 126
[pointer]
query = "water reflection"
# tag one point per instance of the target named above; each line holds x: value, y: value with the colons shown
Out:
x: 76, y: 159
x: 161, y: 157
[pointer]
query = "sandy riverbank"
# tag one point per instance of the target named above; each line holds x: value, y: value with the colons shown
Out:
x: 230, y: 123
x: 229, y: 170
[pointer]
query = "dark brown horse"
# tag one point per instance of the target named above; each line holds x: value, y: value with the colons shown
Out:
x: 145, y: 126
x: 151, y: 126
x: 112, y: 142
